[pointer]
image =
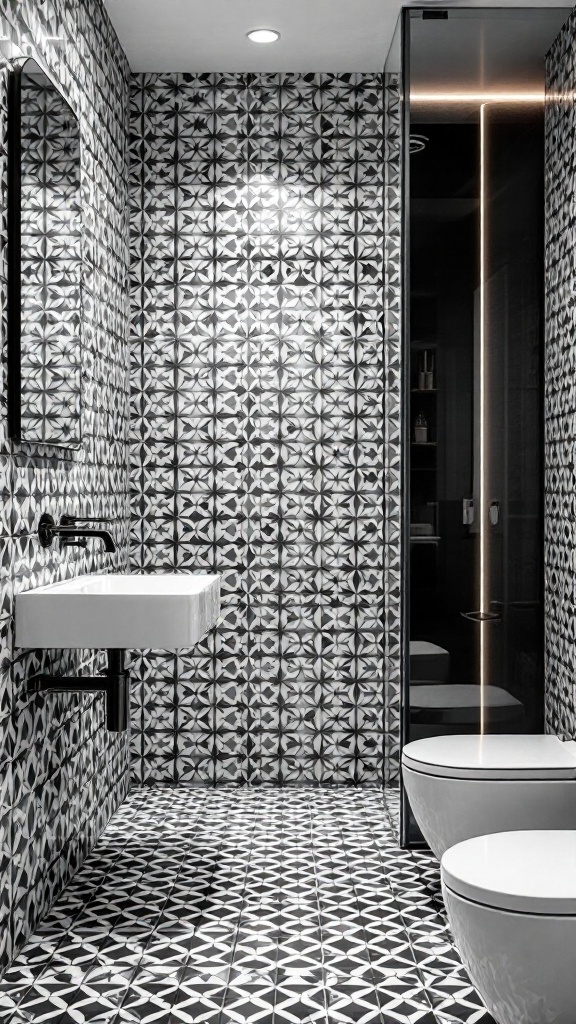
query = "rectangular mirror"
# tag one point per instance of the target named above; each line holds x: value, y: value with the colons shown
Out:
x: 44, y: 261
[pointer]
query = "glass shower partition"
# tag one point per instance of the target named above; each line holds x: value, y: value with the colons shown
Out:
x: 473, y: 339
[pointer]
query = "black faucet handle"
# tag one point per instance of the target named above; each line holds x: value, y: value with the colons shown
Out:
x: 67, y: 520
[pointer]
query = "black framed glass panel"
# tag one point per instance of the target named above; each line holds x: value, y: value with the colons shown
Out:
x: 474, y: 82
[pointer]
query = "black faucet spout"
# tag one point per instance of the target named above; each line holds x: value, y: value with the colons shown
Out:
x: 81, y: 531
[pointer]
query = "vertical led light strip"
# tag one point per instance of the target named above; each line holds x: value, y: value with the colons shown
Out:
x: 482, y: 368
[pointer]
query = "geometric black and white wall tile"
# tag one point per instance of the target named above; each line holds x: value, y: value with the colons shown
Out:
x: 61, y: 773
x: 560, y: 391
x: 264, y: 441
x: 265, y: 420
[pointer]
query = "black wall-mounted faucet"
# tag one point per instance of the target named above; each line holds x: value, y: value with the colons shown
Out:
x: 70, y: 534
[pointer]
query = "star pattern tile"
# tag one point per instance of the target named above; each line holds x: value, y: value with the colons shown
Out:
x: 265, y: 427
x: 234, y: 905
x: 62, y: 774
x: 559, y: 393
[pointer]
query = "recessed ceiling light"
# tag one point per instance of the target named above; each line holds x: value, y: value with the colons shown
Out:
x: 263, y: 35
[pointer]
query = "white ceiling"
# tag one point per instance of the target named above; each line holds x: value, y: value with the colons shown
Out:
x: 210, y: 35
x: 316, y: 35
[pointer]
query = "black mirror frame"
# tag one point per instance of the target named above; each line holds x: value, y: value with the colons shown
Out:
x: 14, y: 259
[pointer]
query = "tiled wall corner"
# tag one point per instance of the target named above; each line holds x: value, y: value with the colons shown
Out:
x: 61, y: 773
x: 560, y: 385
x: 265, y: 421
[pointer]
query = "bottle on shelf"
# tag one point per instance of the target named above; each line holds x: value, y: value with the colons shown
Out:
x: 426, y: 371
x: 429, y: 373
x: 421, y: 429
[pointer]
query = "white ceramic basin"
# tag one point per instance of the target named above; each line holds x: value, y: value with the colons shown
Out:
x: 119, y: 610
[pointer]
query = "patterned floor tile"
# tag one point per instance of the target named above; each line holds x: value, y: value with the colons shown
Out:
x: 222, y: 906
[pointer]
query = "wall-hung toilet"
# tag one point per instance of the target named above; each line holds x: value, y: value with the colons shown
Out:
x: 465, y: 786
x: 511, y: 903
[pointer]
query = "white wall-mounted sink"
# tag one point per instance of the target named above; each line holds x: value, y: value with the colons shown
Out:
x: 119, y: 610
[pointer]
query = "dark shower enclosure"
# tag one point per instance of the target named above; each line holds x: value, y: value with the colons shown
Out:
x: 473, y: 357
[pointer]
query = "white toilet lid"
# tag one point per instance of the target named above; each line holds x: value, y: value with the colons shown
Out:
x: 527, y: 872
x: 489, y: 757
x: 420, y: 647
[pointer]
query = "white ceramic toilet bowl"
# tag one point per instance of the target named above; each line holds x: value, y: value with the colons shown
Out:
x: 465, y: 786
x: 511, y: 903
